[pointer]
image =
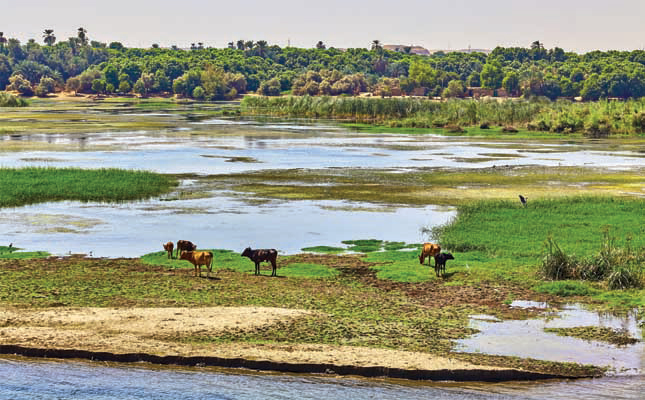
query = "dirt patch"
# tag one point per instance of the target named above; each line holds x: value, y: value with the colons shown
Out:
x: 159, y: 331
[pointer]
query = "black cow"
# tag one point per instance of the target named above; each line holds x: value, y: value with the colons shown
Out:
x: 440, y: 262
x: 259, y: 255
x: 185, y: 245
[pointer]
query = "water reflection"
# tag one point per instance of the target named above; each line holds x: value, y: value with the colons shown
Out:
x: 527, y: 338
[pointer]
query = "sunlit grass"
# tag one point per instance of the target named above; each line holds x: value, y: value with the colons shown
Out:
x: 22, y: 186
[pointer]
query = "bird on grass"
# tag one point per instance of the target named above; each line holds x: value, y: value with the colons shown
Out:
x: 523, y: 200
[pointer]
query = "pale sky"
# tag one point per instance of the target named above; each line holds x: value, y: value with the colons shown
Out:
x: 575, y: 25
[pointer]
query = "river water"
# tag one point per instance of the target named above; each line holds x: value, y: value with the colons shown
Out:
x: 208, y: 146
x: 35, y: 379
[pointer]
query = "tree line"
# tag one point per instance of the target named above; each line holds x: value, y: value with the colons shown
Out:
x: 83, y: 65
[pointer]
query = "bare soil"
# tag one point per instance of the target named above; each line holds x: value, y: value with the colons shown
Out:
x: 158, y: 331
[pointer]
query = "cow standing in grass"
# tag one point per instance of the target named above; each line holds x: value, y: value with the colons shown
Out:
x: 259, y: 255
x: 169, y: 247
x: 185, y: 245
x: 199, y: 258
x: 440, y: 262
x: 429, y: 250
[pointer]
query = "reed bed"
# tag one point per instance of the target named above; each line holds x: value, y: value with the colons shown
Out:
x: 597, y: 119
x: 24, y: 186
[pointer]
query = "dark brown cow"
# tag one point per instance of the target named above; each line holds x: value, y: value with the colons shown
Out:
x: 259, y: 255
x: 198, y: 258
x: 169, y: 247
x: 440, y: 262
x: 429, y: 250
x: 185, y: 245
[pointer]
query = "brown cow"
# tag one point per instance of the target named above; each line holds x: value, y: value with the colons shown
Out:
x: 429, y: 250
x: 185, y: 245
x: 199, y: 258
x: 169, y: 247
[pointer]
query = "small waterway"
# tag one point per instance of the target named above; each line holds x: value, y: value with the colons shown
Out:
x: 36, y: 379
x: 528, y: 338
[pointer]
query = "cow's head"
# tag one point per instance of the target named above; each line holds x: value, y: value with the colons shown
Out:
x: 447, y: 256
x: 421, y: 257
x: 246, y: 252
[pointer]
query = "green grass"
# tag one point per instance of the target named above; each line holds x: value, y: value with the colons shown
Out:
x: 307, y: 270
x: 14, y: 253
x: 24, y: 186
x: 503, y: 240
x: 567, y: 288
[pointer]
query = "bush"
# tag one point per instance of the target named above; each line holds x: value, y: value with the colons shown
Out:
x: 20, y: 84
x: 638, y: 122
x: 270, y: 87
x: 557, y: 265
x: 199, y: 93
x: 9, y: 100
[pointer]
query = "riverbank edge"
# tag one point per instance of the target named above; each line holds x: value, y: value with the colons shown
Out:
x: 457, y: 375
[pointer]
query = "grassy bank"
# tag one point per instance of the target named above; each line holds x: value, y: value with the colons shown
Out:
x: 10, y: 100
x: 595, y: 119
x: 24, y: 186
x: 606, y: 236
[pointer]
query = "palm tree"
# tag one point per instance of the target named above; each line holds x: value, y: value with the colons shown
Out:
x: 320, y: 45
x: 376, y: 45
x: 537, y: 45
x: 48, y: 37
x: 240, y: 44
x: 249, y: 44
x: 200, y: 45
x: 231, y: 45
x: 261, y: 45
x: 3, y: 40
x: 82, y: 36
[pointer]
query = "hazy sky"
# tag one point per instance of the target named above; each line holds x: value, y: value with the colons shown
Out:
x: 575, y: 25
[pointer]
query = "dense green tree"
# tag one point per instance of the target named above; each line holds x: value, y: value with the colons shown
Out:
x: 320, y: 45
x: 423, y: 74
x: 5, y: 71
x: 455, y: 88
x: 492, y: 75
x: 511, y: 83
x: 111, y: 74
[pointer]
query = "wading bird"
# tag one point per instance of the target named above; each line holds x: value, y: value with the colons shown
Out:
x: 523, y: 200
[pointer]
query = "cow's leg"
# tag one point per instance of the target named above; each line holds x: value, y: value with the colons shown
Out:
x: 257, y: 268
x: 274, y: 267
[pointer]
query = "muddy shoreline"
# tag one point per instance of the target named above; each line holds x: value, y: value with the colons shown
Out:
x: 459, y: 375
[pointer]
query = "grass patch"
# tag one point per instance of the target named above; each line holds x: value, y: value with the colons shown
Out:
x: 324, y: 249
x: 311, y: 271
x: 566, y: 288
x: 596, y: 333
x: 24, y: 186
x: 14, y: 253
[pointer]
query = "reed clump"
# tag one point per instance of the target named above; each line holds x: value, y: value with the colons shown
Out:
x: 596, y: 119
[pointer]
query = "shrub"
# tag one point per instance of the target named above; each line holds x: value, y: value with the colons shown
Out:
x: 557, y: 265
x: 625, y: 277
x: 9, y: 100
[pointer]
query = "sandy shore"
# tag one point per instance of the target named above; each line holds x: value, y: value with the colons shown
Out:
x: 160, y: 332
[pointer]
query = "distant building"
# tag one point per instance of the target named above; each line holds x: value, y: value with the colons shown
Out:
x: 401, y: 48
